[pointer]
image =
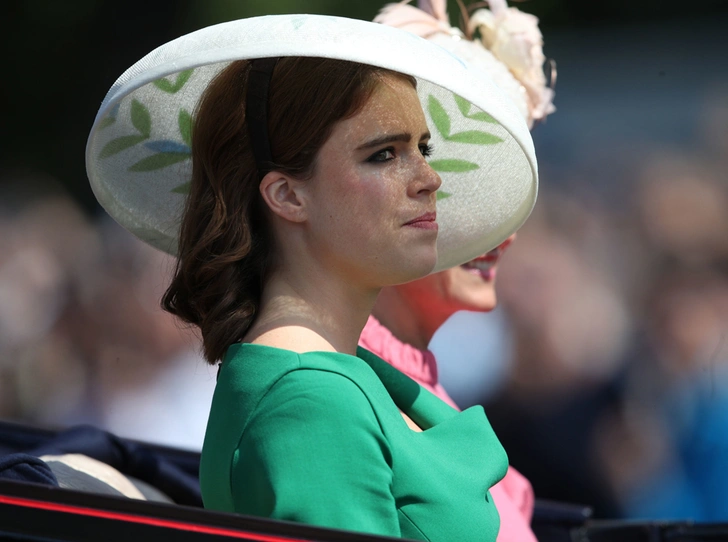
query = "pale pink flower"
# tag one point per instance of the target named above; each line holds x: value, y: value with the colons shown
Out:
x: 512, y: 47
x: 514, y: 38
x: 423, y: 22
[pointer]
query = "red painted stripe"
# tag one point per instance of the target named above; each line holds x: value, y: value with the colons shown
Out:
x: 171, y: 524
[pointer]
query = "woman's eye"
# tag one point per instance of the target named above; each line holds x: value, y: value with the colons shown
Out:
x: 382, y: 156
x: 426, y: 150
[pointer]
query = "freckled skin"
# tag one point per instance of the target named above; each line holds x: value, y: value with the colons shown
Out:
x: 362, y: 198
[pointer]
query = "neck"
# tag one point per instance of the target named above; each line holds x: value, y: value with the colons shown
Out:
x: 409, y: 321
x: 307, y: 311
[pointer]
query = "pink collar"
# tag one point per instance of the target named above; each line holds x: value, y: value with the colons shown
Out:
x: 419, y: 365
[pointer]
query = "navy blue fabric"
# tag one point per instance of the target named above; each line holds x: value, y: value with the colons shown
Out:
x: 26, y: 468
x: 130, y: 458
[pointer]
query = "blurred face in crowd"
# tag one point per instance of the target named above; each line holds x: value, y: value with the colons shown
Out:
x: 470, y: 286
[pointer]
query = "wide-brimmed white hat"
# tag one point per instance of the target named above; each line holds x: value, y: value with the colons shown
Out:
x: 138, y: 152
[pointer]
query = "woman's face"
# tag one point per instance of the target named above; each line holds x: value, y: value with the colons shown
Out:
x: 372, y: 195
x: 470, y: 286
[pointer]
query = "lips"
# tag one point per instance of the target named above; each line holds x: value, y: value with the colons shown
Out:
x: 481, y: 267
x: 484, y: 266
x: 490, y: 257
x: 426, y: 221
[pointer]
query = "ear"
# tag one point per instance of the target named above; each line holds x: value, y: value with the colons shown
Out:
x: 282, y: 193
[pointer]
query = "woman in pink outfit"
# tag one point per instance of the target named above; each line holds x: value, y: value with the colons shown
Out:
x: 406, y: 317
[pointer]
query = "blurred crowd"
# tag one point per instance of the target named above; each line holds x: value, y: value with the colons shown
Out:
x: 82, y: 336
x: 617, y: 304
x: 611, y: 387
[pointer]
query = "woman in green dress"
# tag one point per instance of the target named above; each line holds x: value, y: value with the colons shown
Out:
x: 310, y: 188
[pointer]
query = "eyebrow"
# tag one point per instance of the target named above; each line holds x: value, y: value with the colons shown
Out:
x: 404, y: 136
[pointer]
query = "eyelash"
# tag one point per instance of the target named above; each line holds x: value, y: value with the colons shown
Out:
x: 426, y: 151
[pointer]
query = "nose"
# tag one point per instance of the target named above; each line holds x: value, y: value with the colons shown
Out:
x: 425, y: 180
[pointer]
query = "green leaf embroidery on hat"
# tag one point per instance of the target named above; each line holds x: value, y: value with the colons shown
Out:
x: 442, y: 195
x: 140, y: 118
x: 475, y: 137
x: 439, y: 116
x: 119, y: 144
x: 166, y: 151
x: 165, y: 85
x: 443, y: 124
x: 159, y: 161
x: 453, y: 165
x: 463, y: 104
x: 108, y: 121
x: 110, y: 117
x: 464, y: 107
x: 184, y: 189
x: 299, y: 21
x: 184, y: 120
x: 482, y: 115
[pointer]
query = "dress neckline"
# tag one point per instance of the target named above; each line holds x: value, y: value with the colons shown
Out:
x: 424, y: 408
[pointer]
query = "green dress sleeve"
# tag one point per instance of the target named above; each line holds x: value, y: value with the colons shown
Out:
x: 313, y: 452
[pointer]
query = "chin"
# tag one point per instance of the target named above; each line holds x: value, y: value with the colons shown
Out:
x: 476, y: 299
x: 484, y: 305
x: 416, y: 269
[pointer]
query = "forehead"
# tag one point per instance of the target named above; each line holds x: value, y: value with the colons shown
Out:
x: 393, y: 107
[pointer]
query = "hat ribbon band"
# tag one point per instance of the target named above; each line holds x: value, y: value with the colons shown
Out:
x: 256, y: 111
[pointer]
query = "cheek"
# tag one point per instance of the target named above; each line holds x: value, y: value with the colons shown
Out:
x: 450, y: 283
x: 374, y: 189
x: 464, y: 284
x: 386, y: 185
x: 367, y: 194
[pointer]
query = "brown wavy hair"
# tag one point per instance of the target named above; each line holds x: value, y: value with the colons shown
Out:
x: 226, y: 244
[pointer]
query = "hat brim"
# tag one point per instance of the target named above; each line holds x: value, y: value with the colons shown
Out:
x: 138, y: 152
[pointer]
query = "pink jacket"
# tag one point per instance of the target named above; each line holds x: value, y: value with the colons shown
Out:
x: 513, y: 495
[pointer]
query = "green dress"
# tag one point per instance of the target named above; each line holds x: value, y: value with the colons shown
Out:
x: 318, y: 438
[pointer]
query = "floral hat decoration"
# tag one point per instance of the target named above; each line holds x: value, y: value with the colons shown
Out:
x: 510, y: 48
x: 138, y: 152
